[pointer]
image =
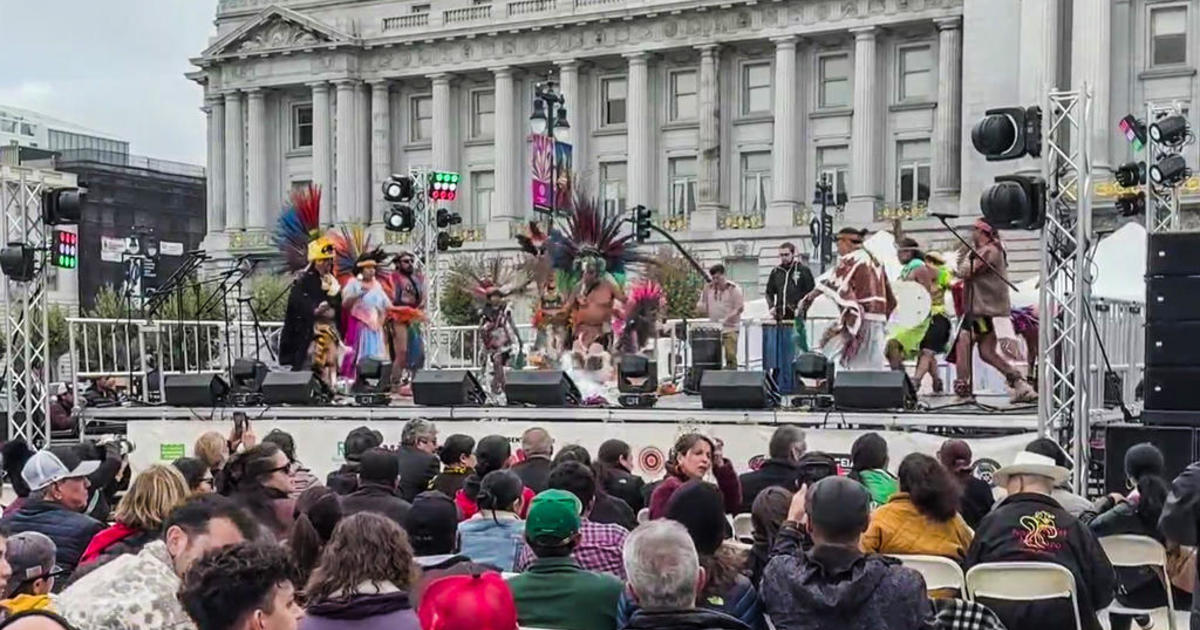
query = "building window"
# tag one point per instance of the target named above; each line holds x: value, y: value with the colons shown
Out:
x: 420, y: 8
x: 834, y: 163
x: 302, y: 126
x: 483, y: 189
x: 483, y: 114
x: 8, y: 126
x: 613, y: 92
x: 912, y: 171
x: 682, y: 172
x: 683, y: 95
x: 756, y: 182
x: 26, y: 129
x: 834, y: 73
x: 1168, y: 36
x: 612, y: 186
x: 756, y: 88
x: 422, y: 118
x: 916, y: 73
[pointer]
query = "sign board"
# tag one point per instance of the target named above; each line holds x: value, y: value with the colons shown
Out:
x: 112, y: 249
x: 170, y: 248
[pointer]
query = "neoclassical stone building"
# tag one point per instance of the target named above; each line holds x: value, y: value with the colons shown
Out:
x: 719, y: 114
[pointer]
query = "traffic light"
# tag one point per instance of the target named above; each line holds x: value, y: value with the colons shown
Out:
x: 1131, y: 204
x: 16, y: 261
x: 65, y: 251
x: 399, y: 189
x: 1008, y: 133
x: 641, y: 223
x: 400, y: 218
x: 1130, y: 174
x: 443, y: 185
x: 1015, y: 202
x: 63, y: 206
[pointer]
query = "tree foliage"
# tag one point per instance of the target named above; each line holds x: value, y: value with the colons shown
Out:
x: 457, y: 305
x: 680, y: 282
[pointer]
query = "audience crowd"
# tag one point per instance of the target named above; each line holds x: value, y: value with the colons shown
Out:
x: 469, y: 536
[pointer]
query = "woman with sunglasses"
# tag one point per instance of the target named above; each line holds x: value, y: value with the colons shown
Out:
x: 196, y: 473
x: 257, y: 479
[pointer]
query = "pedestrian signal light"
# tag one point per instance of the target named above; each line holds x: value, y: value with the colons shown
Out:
x: 443, y: 185
x: 65, y: 253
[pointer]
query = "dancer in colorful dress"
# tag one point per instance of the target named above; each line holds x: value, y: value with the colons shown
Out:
x: 492, y: 283
x: 929, y: 338
x: 406, y: 315
x: 366, y: 297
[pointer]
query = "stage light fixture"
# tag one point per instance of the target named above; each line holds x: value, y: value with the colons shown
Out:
x: 1015, y: 202
x: 1134, y: 130
x: 372, y: 378
x: 399, y: 188
x: 247, y: 376
x: 1169, y: 130
x: 16, y: 261
x: 1131, y: 204
x: 443, y: 185
x: 66, y: 250
x: 1130, y: 174
x: 63, y: 206
x: 400, y: 218
x: 445, y: 218
x: 1008, y: 133
x: 446, y: 240
x: 1170, y: 171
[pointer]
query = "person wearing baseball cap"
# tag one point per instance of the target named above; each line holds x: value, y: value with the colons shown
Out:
x: 31, y: 556
x: 57, y: 479
x: 977, y: 499
x: 1029, y: 525
x: 344, y: 480
x: 554, y: 592
x: 818, y: 575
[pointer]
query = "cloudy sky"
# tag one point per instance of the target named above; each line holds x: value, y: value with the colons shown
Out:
x: 113, y: 65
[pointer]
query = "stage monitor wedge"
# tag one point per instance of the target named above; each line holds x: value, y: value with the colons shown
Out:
x: 292, y: 388
x: 541, y: 388
x: 736, y: 389
x: 873, y: 390
x: 195, y: 390
x: 447, y: 388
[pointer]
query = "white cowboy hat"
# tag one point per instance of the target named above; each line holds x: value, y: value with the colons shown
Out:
x: 1027, y: 463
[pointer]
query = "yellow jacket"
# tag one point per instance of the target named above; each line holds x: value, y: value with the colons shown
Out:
x: 898, y: 528
x: 22, y: 603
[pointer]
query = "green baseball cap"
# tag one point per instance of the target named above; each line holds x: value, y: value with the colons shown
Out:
x: 553, y: 517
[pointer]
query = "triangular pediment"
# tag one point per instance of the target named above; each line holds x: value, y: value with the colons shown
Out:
x: 276, y: 29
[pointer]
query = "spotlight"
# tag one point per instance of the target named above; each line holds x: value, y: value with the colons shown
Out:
x: 1170, y: 171
x: 16, y: 261
x: 400, y: 218
x: 1131, y: 204
x: 445, y: 218
x: 1008, y: 133
x: 248, y: 376
x: 1130, y: 174
x: 446, y: 241
x: 1169, y: 130
x: 63, y: 206
x: 399, y: 188
x: 1015, y: 201
x: 1134, y: 130
x: 372, y: 377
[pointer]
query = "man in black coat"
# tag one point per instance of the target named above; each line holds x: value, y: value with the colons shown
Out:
x: 344, y: 480
x: 788, y: 284
x: 1180, y: 521
x: 616, y: 460
x: 377, y: 488
x: 535, y: 470
x: 780, y: 469
x: 314, y: 286
x: 418, y: 463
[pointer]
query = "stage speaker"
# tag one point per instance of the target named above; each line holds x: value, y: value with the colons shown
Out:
x: 1172, y: 388
x: 1172, y: 298
x: 887, y: 389
x: 195, y: 390
x: 1178, y: 446
x: 541, y: 388
x: 637, y: 374
x: 292, y: 388
x: 1172, y: 253
x: 1172, y: 343
x: 447, y: 388
x: 736, y: 389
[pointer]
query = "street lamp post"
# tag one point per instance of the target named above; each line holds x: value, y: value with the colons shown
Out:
x: 549, y: 118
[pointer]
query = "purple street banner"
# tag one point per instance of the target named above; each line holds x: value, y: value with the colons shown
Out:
x: 542, y: 169
x: 562, y: 196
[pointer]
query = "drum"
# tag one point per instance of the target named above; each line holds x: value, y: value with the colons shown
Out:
x: 912, y: 305
x: 705, y: 343
x: 778, y: 352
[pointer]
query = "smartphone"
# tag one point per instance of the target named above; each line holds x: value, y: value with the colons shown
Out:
x: 240, y: 422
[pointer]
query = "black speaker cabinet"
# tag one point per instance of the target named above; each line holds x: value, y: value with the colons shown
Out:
x: 888, y: 389
x: 1172, y: 344
x: 1172, y: 388
x: 195, y: 390
x: 292, y: 388
x: 1172, y: 253
x: 1178, y: 446
x: 541, y: 388
x: 1172, y: 298
x: 447, y: 388
x: 736, y: 389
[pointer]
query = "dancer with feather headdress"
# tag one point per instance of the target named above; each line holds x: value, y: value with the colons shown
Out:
x: 551, y: 319
x: 492, y: 286
x: 304, y: 247
x: 366, y: 296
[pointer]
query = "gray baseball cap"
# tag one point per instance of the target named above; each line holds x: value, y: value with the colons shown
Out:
x: 31, y: 556
x: 55, y: 464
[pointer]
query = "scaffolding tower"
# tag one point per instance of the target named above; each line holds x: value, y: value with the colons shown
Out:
x: 1162, y: 202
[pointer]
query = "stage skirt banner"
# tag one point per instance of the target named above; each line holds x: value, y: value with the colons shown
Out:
x: 319, y: 443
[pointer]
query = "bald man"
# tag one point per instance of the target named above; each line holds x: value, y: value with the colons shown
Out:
x: 538, y: 446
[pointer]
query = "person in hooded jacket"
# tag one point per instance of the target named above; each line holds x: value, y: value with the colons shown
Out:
x: 378, y: 487
x: 868, y: 466
x: 344, y: 480
x: 818, y: 577
x: 364, y: 578
x: 699, y: 506
x: 614, y: 471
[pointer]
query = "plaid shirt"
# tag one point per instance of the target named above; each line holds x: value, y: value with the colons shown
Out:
x: 599, y: 549
x: 957, y: 614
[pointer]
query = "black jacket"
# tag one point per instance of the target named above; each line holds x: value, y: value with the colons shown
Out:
x: 611, y: 510
x: 344, y: 480
x: 1181, y: 515
x: 449, y: 483
x: 71, y: 531
x: 378, y: 498
x: 417, y: 470
x: 626, y: 486
x: 690, y: 619
x: 534, y: 472
x: 773, y: 472
x: 1030, y: 527
x: 1138, y: 587
x: 105, y: 482
x: 786, y: 287
x: 976, y: 501
x: 306, y: 294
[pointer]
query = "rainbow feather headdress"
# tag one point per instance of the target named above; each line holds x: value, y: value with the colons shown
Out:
x: 298, y: 233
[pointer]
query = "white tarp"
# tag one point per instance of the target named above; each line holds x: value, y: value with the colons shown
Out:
x: 1120, y: 265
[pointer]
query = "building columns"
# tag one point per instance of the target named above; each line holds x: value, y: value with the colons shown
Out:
x: 947, y: 123
x: 444, y: 114
x: 507, y: 166
x: 864, y: 137
x: 235, y: 162
x: 638, y: 165
x: 256, y: 160
x: 1091, y: 64
x: 381, y: 148
x: 214, y: 111
x: 785, y: 175
x: 568, y: 78
x: 708, y: 157
x: 345, y: 175
x: 322, y: 149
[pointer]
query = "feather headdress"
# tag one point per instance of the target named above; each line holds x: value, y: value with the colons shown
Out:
x: 646, y: 300
x: 537, y: 264
x: 594, y: 232
x: 352, y: 246
x: 298, y: 226
x: 489, y: 275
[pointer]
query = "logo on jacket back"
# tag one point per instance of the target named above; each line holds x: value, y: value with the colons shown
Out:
x: 1040, y: 533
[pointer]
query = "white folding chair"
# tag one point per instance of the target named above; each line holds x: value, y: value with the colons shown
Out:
x: 743, y: 528
x: 939, y: 572
x: 508, y: 575
x: 1023, y: 581
x: 1139, y: 551
x: 643, y: 515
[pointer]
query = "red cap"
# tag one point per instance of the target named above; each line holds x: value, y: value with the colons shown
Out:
x: 983, y: 226
x: 468, y: 602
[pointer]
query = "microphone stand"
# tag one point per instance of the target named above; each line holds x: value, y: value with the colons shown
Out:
x: 974, y: 252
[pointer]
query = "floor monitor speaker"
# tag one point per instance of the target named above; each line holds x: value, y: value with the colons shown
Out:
x: 195, y: 390
x: 292, y: 388
x: 870, y: 390
x: 541, y: 388
x: 736, y: 389
x: 447, y: 388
